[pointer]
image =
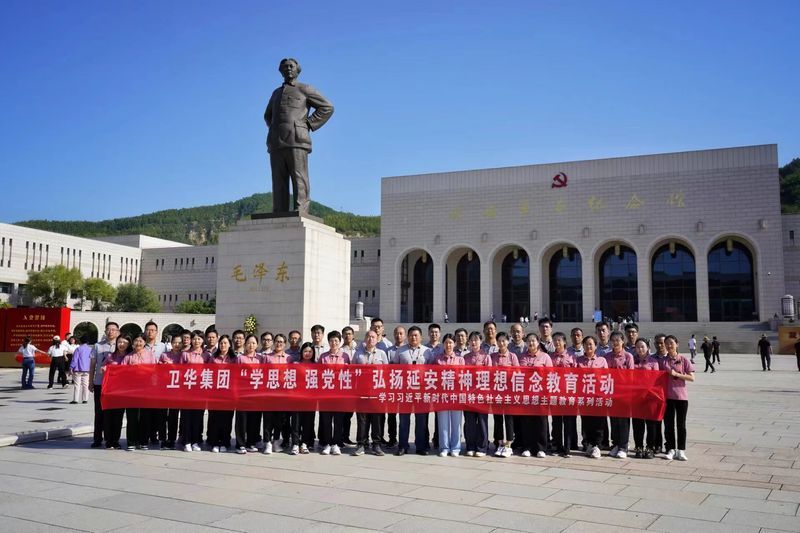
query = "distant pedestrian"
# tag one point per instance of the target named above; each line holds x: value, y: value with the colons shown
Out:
x: 58, y: 360
x: 79, y: 368
x: 706, y: 347
x: 692, y: 347
x: 765, y: 351
x: 28, y: 352
x: 797, y: 354
x: 715, y: 350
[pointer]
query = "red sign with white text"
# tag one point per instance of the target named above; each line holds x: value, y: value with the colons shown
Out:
x: 41, y: 324
x: 389, y: 388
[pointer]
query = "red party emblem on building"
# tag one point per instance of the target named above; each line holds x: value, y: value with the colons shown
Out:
x: 559, y: 181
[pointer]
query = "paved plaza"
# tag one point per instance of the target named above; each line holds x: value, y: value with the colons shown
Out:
x: 743, y: 475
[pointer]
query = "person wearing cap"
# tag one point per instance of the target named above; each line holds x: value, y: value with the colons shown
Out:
x: 765, y: 350
x: 58, y: 359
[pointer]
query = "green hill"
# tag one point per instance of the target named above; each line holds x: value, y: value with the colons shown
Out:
x: 202, y: 225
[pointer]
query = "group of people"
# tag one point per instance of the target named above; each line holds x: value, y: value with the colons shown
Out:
x: 67, y: 359
x: 300, y: 432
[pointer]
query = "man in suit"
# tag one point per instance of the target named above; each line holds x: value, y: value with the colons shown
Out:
x: 289, y: 141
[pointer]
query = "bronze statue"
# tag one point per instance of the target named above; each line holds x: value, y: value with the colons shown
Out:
x: 289, y: 140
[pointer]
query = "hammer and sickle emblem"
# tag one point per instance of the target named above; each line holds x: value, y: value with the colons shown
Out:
x: 559, y: 181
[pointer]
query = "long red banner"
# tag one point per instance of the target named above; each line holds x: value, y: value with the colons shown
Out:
x: 389, y: 388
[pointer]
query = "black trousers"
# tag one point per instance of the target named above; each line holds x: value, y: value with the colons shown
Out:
x: 675, y: 416
x: 138, y: 429
x: 715, y: 357
x: 346, y: 425
x: 565, y: 433
x: 535, y: 433
x: 766, y: 361
x: 303, y: 428
x: 276, y: 424
x: 502, y: 422
x: 158, y: 426
x: 220, y: 424
x: 519, y: 434
x: 168, y: 426
x: 248, y: 425
x: 290, y: 163
x: 98, y: 416
x: 331, y: 429
x: 710, y: 364
x: 112, y: 426
x: 476, y: 431
x: 593, y: 429
x: 58, y: 364
x: 639, y: 427
x: 368, y: 425
x: 193, y: 426
x: 620, y: 432
x: 798, y: 361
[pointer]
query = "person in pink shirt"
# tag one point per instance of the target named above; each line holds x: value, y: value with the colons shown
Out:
x: 303, y: 421
x: 592, y: 425
x: 248, y: 423
x: 112, y: 418
x: 534, y: 429
x: 680, y: 371
x: 220, y: 423
x: 138, y: 419
x: 192, y: 419
x: 644, y: 361
x: 565, y: 428
x: 503, y: 357
x: 276, y: 422
x: 476, y: 425
x: 171, y: 417
x: 620, y: 426
x: 449, y: 422
x: 331, y: 436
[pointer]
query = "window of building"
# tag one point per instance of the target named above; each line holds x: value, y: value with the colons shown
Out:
x: 6, y: 288
x: 674, y: 284
x: 619, y: 282
x: 731, y: 283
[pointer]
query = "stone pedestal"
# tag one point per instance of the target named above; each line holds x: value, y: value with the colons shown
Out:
x: 291, y: 272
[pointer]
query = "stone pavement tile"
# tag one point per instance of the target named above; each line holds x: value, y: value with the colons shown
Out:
x: 785, y: 480
x: 587, y: 498
x: 738, y: 476
x: 749, y: 504
x: 525, y: 505
x: 792, y: 496
x: 727, y: 490
x: 649, y: 482
x: 677, y: 496
x: 19, y: 525
x: 584, y: 486
x: 76, y: 493
x: 252, y: 521
x: 740, y: 483
x: 322, y: 527
x: 353, y: 516
x: 612, y: 517
x: 417, y: 524
x: 752, y: 518
x: 417, y: 478
x: 154, y: 525
x: 252, y: 501
x: 445, y: 511
x: 341, y: 496
x: 513, y: 489
x: 447, y: 495
x: 675, y: 524
x: 522, y: 521
x: 503, y: 465
x: 584, y: 475
x: 758, y: 461
x: 788, y: 473
x: 392, y: 488
x: 646, y: 467
x: 684, y: 510
x: 170, y: 509
x: 511, y: 477
x: 588, y: 527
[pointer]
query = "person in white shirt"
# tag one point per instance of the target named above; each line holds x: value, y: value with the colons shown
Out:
x: 28, y: 352
x: 58, y: 360
x: 414, y: 353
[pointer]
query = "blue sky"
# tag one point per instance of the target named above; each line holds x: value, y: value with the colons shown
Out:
x: 113, y: 109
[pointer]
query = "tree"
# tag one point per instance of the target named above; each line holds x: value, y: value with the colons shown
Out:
x: 53, y: 285
x: 790, y: 186
x: 98, y: 291
x: 196, y: 307
x: 135, y: 298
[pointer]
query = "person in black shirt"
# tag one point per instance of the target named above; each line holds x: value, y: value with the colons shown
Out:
x: 765, y: 350
x: 706, y: 347
x: 797, y: 354
x: 715, y: 350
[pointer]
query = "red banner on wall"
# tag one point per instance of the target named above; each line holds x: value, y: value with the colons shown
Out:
x: 388, y: 388
x: 41, y: 324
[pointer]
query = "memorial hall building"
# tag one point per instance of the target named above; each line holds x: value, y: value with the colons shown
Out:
x: 683, y: 237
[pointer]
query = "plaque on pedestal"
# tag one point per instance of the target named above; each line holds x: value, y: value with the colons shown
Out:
x: 291, y: 272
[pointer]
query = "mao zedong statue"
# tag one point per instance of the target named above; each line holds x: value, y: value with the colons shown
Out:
x: 290, y: 121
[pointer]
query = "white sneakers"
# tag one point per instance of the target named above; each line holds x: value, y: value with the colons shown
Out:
x: 241, y: 450
x: 507, y: 451
x: 470, y: 453
x: 295, y: 450
x: 593, y: 452
x: 187, y: 448
x: 680, y: 455
x: 614, y: 451
x: 196, y: 448
x: 526, y: 453
x: 267, y: 448
x: 215, y: 449
x: 454, y: 453
x: 622, y: 454
x: 498, y: 452
x: 480, y: 454
x: 670, y: 455
x: 303, y: 449
x: 223, y: 449
x: 443, y: 453
x: 335, y: 450
x: 326, y: 450
x: 540, y: 454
